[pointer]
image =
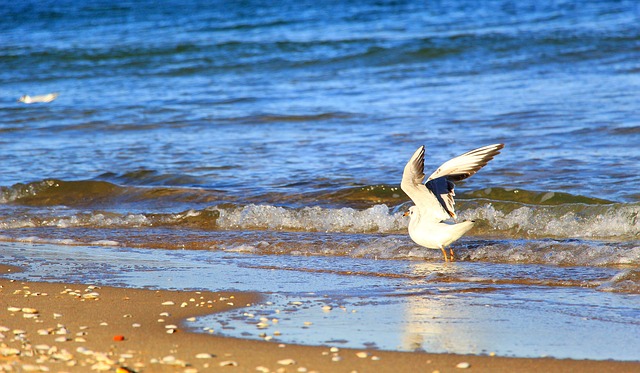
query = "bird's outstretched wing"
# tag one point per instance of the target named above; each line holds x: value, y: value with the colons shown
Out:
x: 440, y: 183
x: 435, y: 199
x: 413, y: 184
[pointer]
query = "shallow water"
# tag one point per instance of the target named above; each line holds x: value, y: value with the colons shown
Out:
x: 272, y: 137
x: 468, y: 308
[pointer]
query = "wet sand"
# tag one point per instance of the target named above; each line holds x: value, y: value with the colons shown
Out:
x: 60, y: 327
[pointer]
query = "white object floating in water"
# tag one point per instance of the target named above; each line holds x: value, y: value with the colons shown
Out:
x: 41, y: 98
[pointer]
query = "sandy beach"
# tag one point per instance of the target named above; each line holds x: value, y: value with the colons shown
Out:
x: 60, y: 327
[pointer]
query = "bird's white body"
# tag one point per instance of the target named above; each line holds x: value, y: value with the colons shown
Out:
x: 435, y: 235
x: 430, y: 222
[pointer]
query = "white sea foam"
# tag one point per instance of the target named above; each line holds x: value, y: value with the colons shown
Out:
x: 349, y: 220
x: 577, y: 221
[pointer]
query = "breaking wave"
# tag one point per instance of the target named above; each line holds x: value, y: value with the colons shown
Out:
x: 498, y: 213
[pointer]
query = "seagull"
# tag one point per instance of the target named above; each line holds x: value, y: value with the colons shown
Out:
x: 429, y: 220
x: 41, y: 98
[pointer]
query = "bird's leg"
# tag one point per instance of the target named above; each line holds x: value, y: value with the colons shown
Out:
x: 445, y: 254
x: 453, y: 255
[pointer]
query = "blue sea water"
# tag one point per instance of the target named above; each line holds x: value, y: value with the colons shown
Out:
x: 281, y: 129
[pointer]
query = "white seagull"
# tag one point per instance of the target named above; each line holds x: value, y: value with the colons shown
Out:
x: 434, y: 204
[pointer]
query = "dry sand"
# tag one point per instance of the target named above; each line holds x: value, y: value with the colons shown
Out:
x: 59, y: 327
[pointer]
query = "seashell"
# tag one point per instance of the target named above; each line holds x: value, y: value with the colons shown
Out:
x: 336, y: 358
x: 62, y: 331
x: 29, y: 310
x: 42, y: 347
x: 334, y: 349
x: 165, y: 314
x: 61, y: 339
x: 171, y: 326
x: 362, y: 354
x: 90, y: 295
x: 84, y: 351
x: 286, y: 362
x: 8, y: 351
x: 63, y: 355
x: 169, y: 359
x: 463, y: 365
x: 101, y: 366
x: 375, y: 358
x: 34, y: 368
x: 18, y: 332
x: 203, y: 355
x: 184, y: 304
x: 135, y: 325
x: 14, y: 309
x: 168, y: 303
x: 171, y: 331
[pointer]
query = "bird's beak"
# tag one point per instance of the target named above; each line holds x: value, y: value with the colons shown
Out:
x: 406, y: 213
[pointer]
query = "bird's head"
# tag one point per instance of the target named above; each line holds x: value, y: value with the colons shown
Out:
x: 411, y: 212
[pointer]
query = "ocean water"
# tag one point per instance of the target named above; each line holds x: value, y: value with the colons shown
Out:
x: 277, y: 133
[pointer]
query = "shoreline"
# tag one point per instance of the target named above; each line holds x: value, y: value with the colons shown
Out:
x: 63, y: 327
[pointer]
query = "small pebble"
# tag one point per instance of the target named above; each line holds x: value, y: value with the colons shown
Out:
x: 463, y: 365
x: 362, y: 355
x: 286, y: 362
x: 168, y: 303
x: 228, y: 363
x: 204, y: 355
